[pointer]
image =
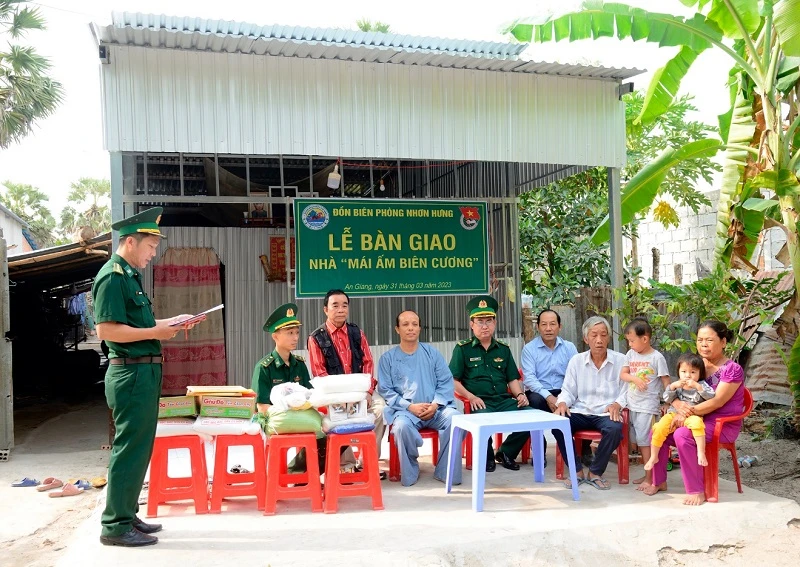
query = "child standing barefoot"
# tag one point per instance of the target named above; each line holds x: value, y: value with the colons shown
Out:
x: 644, y: 365
x: 692, y: 388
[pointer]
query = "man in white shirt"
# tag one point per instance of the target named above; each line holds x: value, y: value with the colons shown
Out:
x: 593, y: 396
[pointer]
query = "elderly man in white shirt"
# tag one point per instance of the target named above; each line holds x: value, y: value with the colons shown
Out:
x: 593, y: 396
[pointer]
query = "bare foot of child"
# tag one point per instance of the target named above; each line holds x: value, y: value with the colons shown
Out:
x: 701, y: 459
x: 651, y: 462
x: 694, y: 499
x: 655, y: 488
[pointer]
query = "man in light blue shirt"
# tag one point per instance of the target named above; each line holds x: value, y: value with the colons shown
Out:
x: 544, y: 362
x: 417, y: 385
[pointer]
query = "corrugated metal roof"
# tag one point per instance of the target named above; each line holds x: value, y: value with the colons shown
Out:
x: 171, y: 32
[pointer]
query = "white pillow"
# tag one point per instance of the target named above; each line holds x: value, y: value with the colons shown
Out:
x: 338, y: 383
x: 320, y: 400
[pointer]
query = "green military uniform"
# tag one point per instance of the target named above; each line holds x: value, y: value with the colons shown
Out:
x: 132, y: 389
x: 486, y: 373
x: 272, y: 370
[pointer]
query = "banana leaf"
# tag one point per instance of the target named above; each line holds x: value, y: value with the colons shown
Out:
x: 641, y: 190
x: 794, y: 378
x: 746, y: 11
x: 787, y: 24
x: 597, y: 19
x: 741, y: 132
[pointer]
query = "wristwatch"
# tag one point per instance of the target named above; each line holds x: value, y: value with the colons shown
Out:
x: 520, y: 394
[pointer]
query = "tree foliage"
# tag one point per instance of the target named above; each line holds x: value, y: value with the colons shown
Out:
x: 28, y: 203
x: 556, y: 253
x: 760, y: 132
x: 27, y: 93
x: 367, y: 25
x: 89, y: 205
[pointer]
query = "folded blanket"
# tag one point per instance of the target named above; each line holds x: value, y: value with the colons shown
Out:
x: 338, y: 383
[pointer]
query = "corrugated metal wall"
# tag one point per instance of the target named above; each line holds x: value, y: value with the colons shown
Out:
x: 159, y: 100
x: 249, y: 299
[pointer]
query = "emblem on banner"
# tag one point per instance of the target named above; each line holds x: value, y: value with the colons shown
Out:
x: 316, y: 217
x: 469, y: 217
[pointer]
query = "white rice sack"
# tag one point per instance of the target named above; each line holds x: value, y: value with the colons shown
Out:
x: 289, y: 395
x: 341, y: 383
x: 352, y: 425
x: 174, y: 426
x: 226, y: 426
x: 320, y: 400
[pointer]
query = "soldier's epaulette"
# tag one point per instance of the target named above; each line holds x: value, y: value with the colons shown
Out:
x: 502, y: 342
x: 298, y: 357
x: 464, y: 342
x: 267, y: 361
x: 117, y: 269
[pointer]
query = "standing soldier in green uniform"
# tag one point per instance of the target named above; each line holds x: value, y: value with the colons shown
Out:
x: 126, y: 323
x: 484, y: 372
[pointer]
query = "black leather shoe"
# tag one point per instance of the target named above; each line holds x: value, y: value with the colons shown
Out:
x: 145, y: 528
x: 506, y: 461
x: 133, y: 538
x: 490, y: 465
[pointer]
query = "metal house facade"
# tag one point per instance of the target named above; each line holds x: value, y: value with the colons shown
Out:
x: 191, y: 104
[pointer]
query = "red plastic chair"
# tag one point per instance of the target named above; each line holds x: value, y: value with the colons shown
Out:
x: 366, y: 482
x: 711, y: 473
x: 394, y: 458
x: 227, y: 484
x: 306, y: 484
x: 164, y: 488
x: 623, y: 463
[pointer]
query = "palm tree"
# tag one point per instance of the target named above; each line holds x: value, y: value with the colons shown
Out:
x: 28, y: 203
x: 92, y: 196
x: 760, y: 133
x: 367, y: 25
x: 27, y: 93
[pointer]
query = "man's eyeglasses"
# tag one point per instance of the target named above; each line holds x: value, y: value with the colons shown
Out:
x: 483, y: 322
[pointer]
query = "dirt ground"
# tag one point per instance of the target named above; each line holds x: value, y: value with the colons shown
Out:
x: 779, y: 470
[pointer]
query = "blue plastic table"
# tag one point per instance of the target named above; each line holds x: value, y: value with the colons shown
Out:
x: 483, y: 425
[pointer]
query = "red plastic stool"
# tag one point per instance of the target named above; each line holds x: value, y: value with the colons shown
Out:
x: 394, y: 458
x: 279, y: 479
x: 227, y: 484
x: 366, y: 482
x: 163, y: 488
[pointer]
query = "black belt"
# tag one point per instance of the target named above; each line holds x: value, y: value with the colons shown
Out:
x: 140, y: 360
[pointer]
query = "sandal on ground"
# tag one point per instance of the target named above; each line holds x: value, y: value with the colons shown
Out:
x: 50, y: 483
x: 599, y: 483
x: 82, y: 483
x: 25, y: 482
x: 568, y: 482
x: 99, y: 482
x: 68, y: 490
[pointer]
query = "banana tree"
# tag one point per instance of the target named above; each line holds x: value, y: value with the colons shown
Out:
x: 760, y: 133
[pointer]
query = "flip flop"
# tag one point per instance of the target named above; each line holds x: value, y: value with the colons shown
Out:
x: 99, y: 482
x: 25, y: 482
x: 50, y: 483
x: 568, y: 482
x: 68, y: 490
x: 83, y: 484
x: 599, y: 483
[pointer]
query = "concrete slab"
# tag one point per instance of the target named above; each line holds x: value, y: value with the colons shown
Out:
x: 421, y: 525
x: 523, y: 523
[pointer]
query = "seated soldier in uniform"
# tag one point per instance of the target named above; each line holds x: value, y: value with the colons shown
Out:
x: 484, y: 372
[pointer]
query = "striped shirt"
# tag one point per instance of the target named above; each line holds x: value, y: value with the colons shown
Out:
x: 590, y: 390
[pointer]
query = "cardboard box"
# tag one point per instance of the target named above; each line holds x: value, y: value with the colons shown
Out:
x: 177, y: 406
x: 219, y: 406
